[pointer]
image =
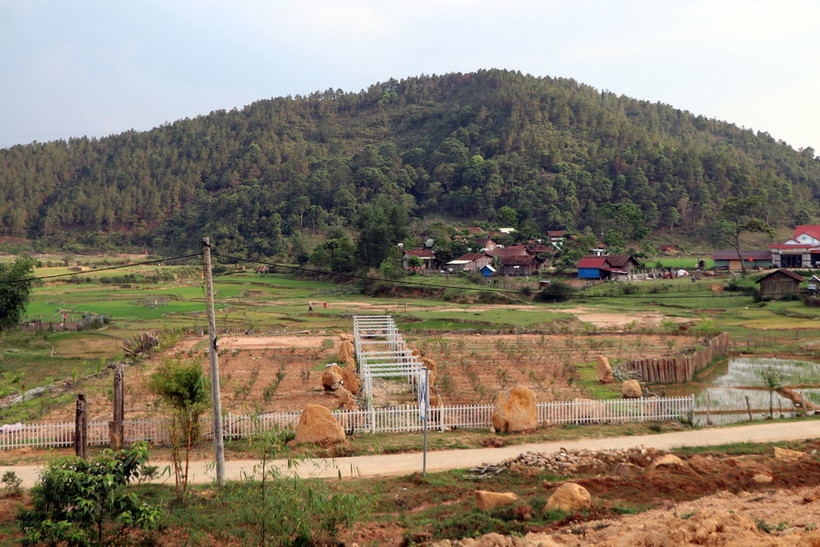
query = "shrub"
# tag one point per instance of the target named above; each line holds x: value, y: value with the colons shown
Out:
x: 81, y: 502
x: 555, y: 292
x: 629, y: 288
x: 12, y: 483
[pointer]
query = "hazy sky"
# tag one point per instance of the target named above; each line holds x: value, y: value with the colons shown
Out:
x: 84, y: 67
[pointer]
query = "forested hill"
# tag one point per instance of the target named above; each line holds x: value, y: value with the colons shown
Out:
x: 458, y: 146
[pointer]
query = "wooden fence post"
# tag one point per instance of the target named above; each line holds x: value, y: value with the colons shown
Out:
x: 81, y: 428
x: 116, y: 428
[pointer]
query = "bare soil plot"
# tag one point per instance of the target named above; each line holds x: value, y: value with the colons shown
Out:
x: 283, y: 373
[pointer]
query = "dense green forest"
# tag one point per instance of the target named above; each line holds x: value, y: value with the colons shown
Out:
x: 495, y: 146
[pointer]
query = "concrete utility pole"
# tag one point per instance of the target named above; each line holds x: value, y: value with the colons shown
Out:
x: 219, y: 446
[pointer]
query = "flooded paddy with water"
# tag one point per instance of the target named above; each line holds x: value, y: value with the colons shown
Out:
x: 728, y: 394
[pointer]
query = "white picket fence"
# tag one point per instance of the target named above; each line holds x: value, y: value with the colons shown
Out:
x: 396, y: 419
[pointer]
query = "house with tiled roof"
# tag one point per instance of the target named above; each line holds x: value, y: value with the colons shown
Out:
x: 600, y: 267
x: 512, y: 250
x: 515, y: 265
x: 801, y: 251
x: 622, y: 262
x: 426, y: 256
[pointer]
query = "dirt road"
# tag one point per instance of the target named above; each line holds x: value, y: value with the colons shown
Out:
x: 399, y: 464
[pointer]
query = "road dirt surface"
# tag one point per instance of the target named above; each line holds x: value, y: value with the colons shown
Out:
x: 202, y: 472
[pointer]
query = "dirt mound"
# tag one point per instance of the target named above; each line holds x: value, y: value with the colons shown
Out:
x: 712, y: 499
x: 774, y: 519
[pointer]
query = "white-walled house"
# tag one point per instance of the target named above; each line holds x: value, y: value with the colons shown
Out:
x: 801, y: 251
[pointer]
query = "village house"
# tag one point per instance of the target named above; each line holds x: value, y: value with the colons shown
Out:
x: 520, y: 265
x: 470, y: 262
x: 425, y: 256
x: 516, y: 260
x: 813, y: 286
x: 801, y: 251
x: 605, y: 267
x: 622, y: 262
x: 556, y: 236
x: 778, y: 284
x: 728, y: 260
x: 483, y: 244
x: 512, y: 250
x: 600, y: 250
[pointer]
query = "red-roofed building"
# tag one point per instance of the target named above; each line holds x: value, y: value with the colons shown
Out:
x: 516, y: 265
x: 513, y: 250
x: 426, y: 256
x: 801, y: 251
x: 600, y: 267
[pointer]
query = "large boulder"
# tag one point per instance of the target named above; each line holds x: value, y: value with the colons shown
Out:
x: 762, y: 478
x: 569, y: 497
x: 317, y: 425
x: 432, y: 370
x: 332, y: 377
x: 515, y: 410
x: 346, y: 400
x: 631, y: 389
x: 604, y: 373
x: 667, y: 460
x: 788, y: 455
x: 351, y: 381
x: 346, y: 349
x: 487, y: 501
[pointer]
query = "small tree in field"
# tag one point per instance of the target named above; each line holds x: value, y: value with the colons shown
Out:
x: 185, y: 390
x: 773, y: 380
